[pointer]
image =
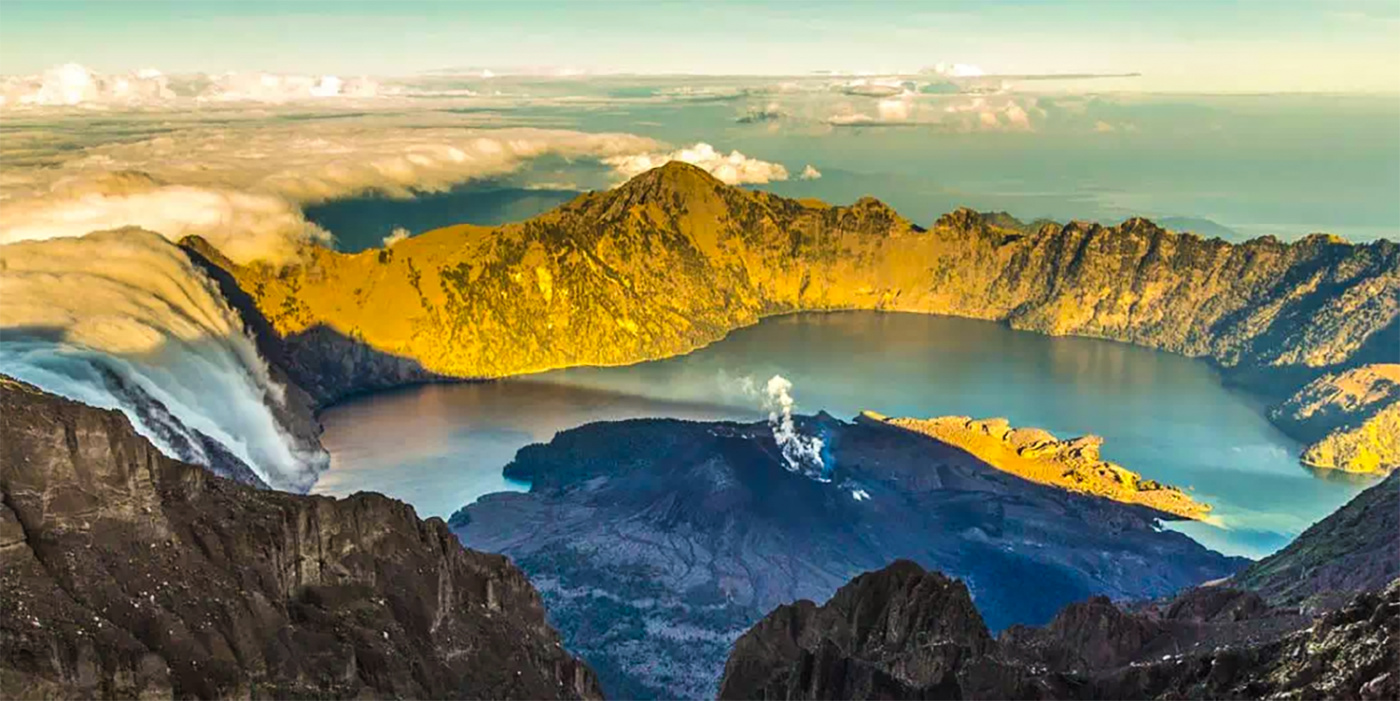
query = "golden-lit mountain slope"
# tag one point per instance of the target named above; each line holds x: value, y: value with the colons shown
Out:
x: 674, y: 259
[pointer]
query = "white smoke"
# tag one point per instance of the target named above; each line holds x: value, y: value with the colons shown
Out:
x: 801, y: 453
x: 130, y: 303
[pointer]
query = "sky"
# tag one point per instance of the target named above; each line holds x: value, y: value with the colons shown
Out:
x: 1181, y: 46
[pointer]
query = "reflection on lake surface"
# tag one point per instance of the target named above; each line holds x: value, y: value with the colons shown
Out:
x: 1168, y: 417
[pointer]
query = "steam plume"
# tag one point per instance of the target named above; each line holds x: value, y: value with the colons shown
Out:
x: 802, y: 453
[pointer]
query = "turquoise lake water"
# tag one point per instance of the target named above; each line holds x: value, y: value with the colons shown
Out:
x: 439, y: 447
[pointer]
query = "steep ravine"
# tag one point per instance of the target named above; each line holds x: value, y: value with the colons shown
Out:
x: 127, y: 574
x: 674, y: 259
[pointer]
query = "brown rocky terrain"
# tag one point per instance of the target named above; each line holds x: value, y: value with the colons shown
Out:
x: 904, y: 633
x: 1351, y: 418
x: 674, y: 259
x: 1036, y: 455
x: 128, y: 574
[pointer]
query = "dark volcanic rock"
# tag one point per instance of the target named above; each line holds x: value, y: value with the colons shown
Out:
x: 1357, y: 548
x: 901, y: 633
x: 656, y: 543
x: 125, y: 573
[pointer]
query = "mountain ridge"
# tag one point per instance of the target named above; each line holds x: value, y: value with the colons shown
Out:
x: 673, y: 260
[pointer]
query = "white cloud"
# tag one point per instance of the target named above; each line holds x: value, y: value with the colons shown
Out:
x: 398, y: 234
x: 849, y: 119
x: 895, y: 110
x: 272, y: 87
x: 244, y: 226
x: 73, y: 84
x: 734, y: 168
x: 959, y: 70
x: 810, y: 173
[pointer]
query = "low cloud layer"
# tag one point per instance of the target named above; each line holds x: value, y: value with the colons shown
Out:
x: 75, y: 85
x: 244, y: 188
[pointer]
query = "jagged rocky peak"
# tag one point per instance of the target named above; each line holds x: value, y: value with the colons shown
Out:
x: 1246, y: 638
x: 125, y: 573
x: 962, y: 219
x: 1140, y: 225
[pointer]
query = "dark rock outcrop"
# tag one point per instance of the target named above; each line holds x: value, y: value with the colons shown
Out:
x: 897, y: 633
x: 128, y: 574
x: 655, y: 543
x: 902, y: 633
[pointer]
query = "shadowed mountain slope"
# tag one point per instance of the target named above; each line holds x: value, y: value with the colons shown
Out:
x: 1357, y: 548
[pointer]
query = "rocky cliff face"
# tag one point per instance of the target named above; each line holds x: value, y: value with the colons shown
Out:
x: 674, y: 259
x: 656, y: 543
x: 1352, y: 419
x: 902, y: 633
x: 127, y: 574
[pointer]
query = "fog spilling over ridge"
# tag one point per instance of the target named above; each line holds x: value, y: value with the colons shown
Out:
x: 123, y: 320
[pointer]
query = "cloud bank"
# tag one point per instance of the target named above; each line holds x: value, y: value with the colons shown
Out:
x: 75, y: 85
x: 128, y: 304
x: 243, y: 189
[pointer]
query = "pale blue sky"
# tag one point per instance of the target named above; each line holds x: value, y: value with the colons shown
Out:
x: 1191, y: 45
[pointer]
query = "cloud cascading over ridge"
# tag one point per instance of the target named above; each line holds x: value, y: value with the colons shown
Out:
x: 149, y: 318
